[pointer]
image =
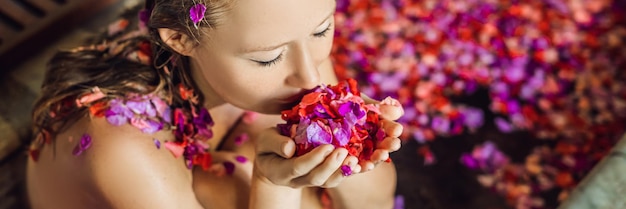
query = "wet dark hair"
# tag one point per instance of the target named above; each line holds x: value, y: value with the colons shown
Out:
x: 107, y: 62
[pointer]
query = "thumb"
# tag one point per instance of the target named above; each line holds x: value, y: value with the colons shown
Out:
x: 270, y: 141
x: 390, y: 108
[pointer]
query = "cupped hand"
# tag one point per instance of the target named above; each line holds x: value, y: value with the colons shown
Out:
x: 322, y: 167
x: 390, y: 111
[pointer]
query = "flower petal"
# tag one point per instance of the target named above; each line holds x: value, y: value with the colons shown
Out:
x: 196, y: 13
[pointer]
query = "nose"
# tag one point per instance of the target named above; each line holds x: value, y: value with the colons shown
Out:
x: 304, y: 72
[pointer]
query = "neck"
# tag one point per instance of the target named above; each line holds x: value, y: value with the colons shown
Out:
x: 211, y: 99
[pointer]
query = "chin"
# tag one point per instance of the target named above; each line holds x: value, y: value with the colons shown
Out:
x: 273, y: 108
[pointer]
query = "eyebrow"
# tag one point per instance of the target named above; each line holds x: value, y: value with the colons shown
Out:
x: 270, y: 48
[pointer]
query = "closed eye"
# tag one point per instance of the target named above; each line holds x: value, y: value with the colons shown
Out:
x: 323, y: 33
x: 271, y: 62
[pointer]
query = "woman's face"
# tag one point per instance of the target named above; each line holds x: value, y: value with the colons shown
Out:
x: 265, y: 53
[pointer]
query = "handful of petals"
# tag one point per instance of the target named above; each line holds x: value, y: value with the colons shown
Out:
x: 334, y: 115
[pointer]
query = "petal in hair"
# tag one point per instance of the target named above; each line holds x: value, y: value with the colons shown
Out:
x: 196, y: 13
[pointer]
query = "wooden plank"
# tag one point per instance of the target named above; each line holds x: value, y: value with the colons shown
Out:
x: 6, y: 33
x: 17, y: 13
x: 46, y: 5
x: 10, y: 140
x: 605, y: 185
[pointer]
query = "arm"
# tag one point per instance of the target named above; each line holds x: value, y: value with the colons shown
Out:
x: 356, y: 192
x: 265, y: 194
x: 128, y: 171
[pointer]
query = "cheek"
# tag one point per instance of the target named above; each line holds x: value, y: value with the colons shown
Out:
x: 321, y: 49
x: 241, y: 84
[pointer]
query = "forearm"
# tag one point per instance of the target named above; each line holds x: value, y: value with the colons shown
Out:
x: 264, y: 194
x: 374, y: 189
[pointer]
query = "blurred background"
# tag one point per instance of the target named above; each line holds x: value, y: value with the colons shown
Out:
x: 509, y: 104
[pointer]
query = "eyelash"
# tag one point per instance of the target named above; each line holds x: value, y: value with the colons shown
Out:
x: 323, y: 33
x: 280, y: 57
x: 271, y: 62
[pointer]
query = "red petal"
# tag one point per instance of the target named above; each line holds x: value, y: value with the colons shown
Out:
x: 34, y: 154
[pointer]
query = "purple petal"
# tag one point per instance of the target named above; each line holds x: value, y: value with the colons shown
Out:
x: 230, y: 167
x: 203, y: 118
x: 151, y: 111
x: 157, y: 143
x: 77, y: 150
x: 115, y: 119
x: 196, y: 13
x: 205, y: 132
x: 344, y: 108
x: 160, y: 106
x: 190, y: 151
x: 474, y: 118
x: 301, y: 136
x: 85, y: 141
x: 317, y: 135
x: 469, y: 161
x: 350, y: 119
x: 441, y: 124
x: 341, y: 132
x: 138, y: 107
x: 346, y: 170
x: 283, y: 129
x: 503, y: 125
x: 398, y: 202
x: 515, y: 74
x: 319, y: 111
x: 418, y: 135
x: 241, y: 159
x: 358, y: 112
x: 144, y: 15
x: 167, y: 115
x: 513, y: 107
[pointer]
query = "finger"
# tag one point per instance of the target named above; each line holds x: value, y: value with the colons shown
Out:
x: 270, y: 141
x: 339, y: 175
x: 391, y: 109
x: 379, y: 155
x: 304, y: 164
x: 366, y: 166
x: 390, y: 144
x: 392, y: 128
x: 368, y: 99
x: 320, y: 174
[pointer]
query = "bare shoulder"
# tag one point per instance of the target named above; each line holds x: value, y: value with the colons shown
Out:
x: 130, y: 171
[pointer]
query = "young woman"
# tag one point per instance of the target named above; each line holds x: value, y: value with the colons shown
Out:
x: 123, y: 124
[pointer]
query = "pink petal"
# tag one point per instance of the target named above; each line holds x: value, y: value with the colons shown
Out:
x: 249, y: 117
x: 239, y: 140
x: 176, y: 149
x: 91, y: 97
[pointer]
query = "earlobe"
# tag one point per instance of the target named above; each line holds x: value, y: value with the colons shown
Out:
x: 177, y: 41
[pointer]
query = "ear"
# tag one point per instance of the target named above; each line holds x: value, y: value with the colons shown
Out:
x: 178, y: 41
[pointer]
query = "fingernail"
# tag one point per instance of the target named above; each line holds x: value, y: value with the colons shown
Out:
x: 390, y: 101
x: 284, y: 147
x: 328, y: 151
